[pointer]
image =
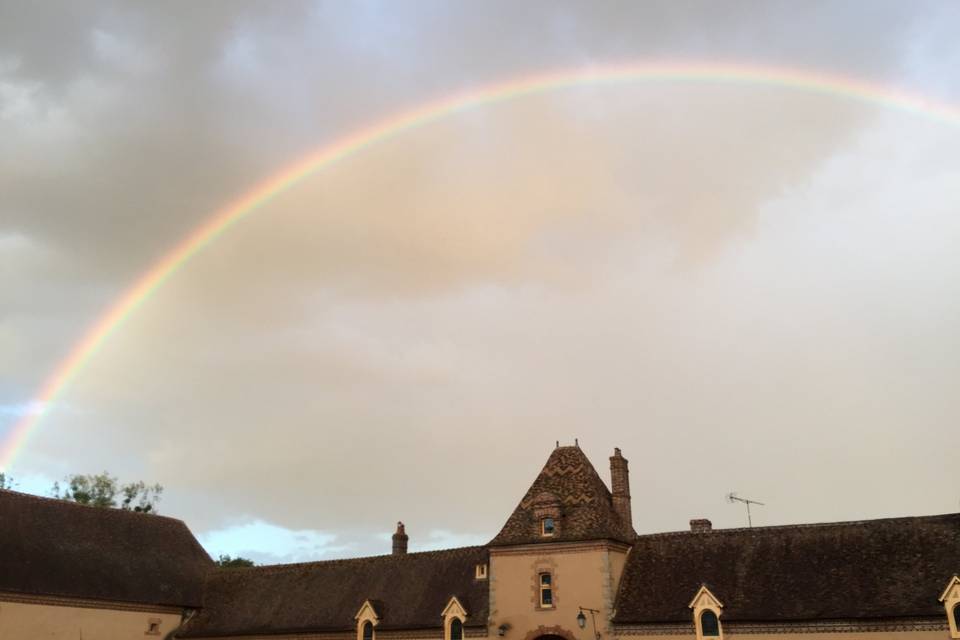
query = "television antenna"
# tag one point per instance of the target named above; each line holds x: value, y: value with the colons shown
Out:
x: 733, y: 497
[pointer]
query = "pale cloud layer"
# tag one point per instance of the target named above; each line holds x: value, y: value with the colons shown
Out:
x: 746, y: 288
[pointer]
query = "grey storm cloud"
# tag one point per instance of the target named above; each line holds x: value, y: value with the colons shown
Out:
x: 738, y: 285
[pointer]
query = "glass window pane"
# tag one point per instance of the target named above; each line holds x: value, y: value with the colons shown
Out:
x: 956, y: 615
x: 545, y: 578
x: 546, y: 596
x: 709, y: 625
x: 456, y: 630
x: 548, y: 525
x: 368, y: 631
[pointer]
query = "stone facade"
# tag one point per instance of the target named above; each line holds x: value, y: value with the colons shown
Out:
x: 567, y: 555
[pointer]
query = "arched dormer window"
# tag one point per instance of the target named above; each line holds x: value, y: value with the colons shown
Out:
x: 709, y: 624
x: 453, y: 616
x: 951, y: 603
x: 367, y: 618
x: 706, y: 615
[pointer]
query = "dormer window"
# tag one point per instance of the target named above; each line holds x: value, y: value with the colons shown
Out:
x: 453, y: 616
x: 481, y: 571
x: 367, y: 618
x: 547, y: 526
x: 951, y: 603
x: 706, y: 615
x: 546, y: 590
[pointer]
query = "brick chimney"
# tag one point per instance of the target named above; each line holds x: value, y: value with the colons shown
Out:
x: 700, y: 525
x: 400, y: 540
x: 620, y: 486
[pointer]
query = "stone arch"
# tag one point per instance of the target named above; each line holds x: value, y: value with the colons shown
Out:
x: 556, y: 632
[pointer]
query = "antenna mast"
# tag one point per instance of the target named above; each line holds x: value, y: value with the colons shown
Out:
x: 733, y: 497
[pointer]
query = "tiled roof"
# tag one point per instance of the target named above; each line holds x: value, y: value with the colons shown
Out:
x: 887, y: 568
x: 53, y: 547
x: 569, y: 484
x: 409, y: 591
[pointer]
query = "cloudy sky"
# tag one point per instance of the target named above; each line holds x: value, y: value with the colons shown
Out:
x: 747, y: 288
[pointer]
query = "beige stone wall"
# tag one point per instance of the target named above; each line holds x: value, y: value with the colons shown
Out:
x: 885, y: 635
x: 381, y: 635
x: 584, y: 574
x: 877, y: 635
x: 38, y: 621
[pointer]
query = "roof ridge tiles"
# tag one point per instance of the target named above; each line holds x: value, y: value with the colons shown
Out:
x: 801, y: 525
x: 291, y: 566
x: 70, y: 504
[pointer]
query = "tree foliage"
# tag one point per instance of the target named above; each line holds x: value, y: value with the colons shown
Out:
x: 104, y: 490
x: 6, y: 482
x: 226, y: 562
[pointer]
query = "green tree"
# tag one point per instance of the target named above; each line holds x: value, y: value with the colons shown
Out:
x: 7, y: 482
x: 226, y: 562
x: 104, y: 490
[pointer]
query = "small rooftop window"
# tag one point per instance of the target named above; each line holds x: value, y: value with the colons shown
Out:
x: 481, y: 571
x: 547, y: 526
x: 367, y: 630
x: 456, y: 629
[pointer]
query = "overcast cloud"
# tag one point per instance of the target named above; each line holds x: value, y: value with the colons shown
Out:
x: 746, y: 288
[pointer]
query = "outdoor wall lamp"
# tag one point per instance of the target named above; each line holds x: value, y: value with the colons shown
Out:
x: 582, y: 620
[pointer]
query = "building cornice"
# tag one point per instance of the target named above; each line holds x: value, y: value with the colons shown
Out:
x: 404, y: 634
x: 546, y: 548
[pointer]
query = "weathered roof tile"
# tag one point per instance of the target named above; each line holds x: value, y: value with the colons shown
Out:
x: 58, y: 548
x: 409, y: 591
x: 886, y: 568
x: 569, y: 484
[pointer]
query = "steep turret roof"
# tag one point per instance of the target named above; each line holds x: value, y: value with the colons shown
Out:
x: 570, y: 490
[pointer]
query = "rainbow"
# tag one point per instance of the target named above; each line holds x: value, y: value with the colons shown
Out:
x: 392, y: 126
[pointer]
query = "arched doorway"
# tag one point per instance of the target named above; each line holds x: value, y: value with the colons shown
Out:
x: 550, y: 633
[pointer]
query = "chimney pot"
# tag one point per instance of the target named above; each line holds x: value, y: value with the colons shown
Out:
x: 400, y: 539
x: 700, y: 525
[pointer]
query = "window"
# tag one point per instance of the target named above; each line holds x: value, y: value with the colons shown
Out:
x: 153, y: 627
x: 456, y: 629
x: 956, y: 616
x: 481, y: 573
x: 547, y: 526
x: 709, y: 624
x: 546, y: 590
x: 368, y: 630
